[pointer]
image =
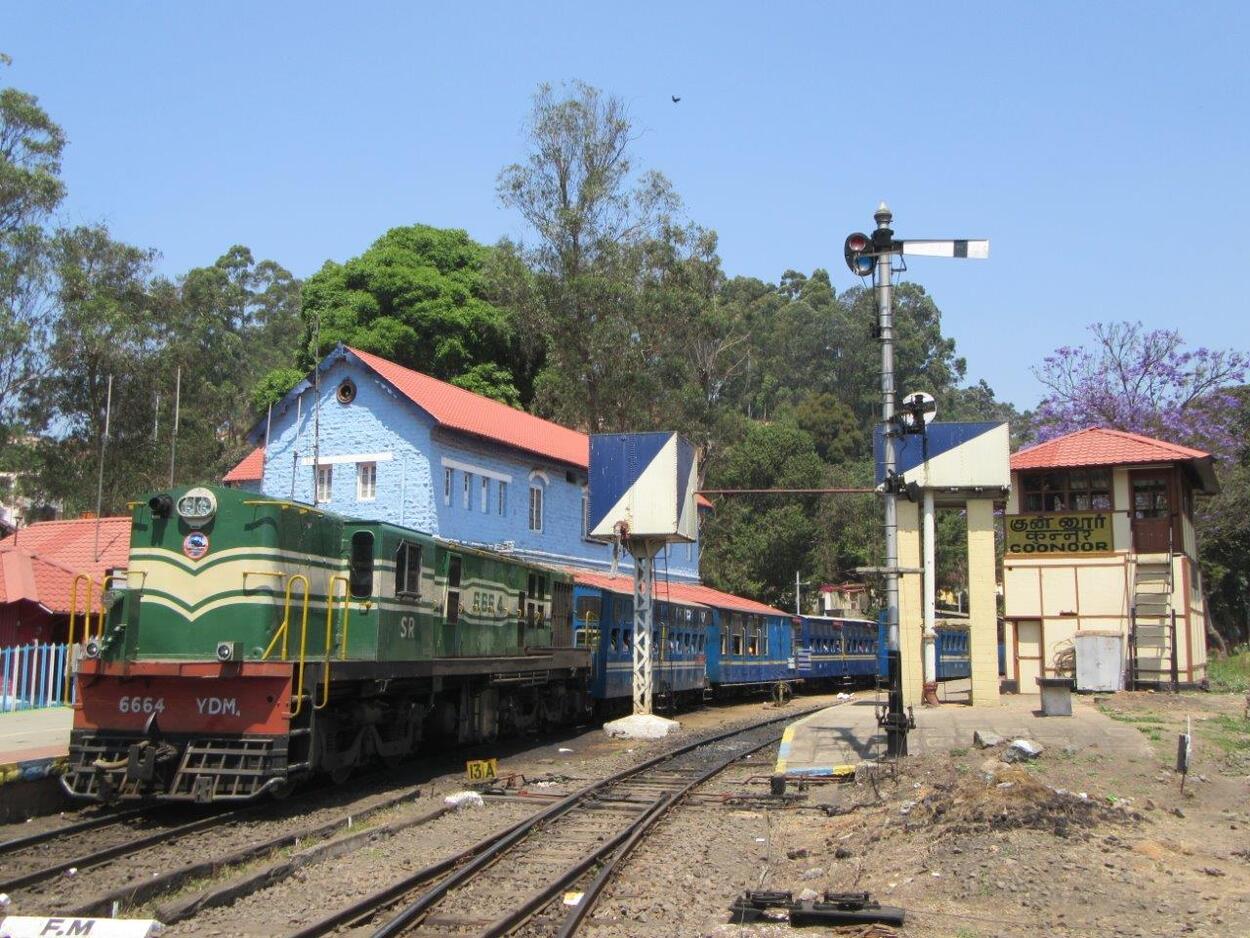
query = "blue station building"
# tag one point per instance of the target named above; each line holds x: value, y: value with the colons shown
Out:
x: 365, y: 437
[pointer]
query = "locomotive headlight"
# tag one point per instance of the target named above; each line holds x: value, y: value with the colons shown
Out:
x: 91, y: 649
x: 197, y: 506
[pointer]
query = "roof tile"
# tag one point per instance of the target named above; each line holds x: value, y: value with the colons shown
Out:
x: 38, y: 563
x: 1098, y: 446
x: 676, y: 591
x: 467, y: 412
x: 251, y: 469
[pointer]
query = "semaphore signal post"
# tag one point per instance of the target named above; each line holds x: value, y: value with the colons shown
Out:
x: 874, y: 256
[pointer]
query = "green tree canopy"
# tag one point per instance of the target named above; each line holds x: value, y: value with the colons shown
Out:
x: 755, y: 543
x: 417, y: 297
x: 31, y: 188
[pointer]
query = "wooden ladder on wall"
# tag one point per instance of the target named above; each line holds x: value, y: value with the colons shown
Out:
x: 1152, y: 625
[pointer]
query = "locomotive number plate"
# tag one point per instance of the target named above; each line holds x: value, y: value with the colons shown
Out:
x: 481, y: 770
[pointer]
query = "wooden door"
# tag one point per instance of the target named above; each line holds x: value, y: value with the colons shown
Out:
x: 1028, y: 654
x: 1151, y: 506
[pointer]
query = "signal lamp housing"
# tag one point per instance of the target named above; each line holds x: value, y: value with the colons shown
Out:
x: 858, y: 251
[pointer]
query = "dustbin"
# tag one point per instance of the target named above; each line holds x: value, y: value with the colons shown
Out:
x: 1056, y: 696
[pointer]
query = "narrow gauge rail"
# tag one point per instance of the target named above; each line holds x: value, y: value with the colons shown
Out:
x: 106, y: 819
x: 549, y: 852
x: 34, y: 854
x: 40, y: 869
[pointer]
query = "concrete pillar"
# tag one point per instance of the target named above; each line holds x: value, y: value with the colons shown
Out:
x: 910, y: 604
x: 983, y: 604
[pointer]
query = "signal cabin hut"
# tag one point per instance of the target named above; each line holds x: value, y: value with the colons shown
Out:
x: 1099, y: 538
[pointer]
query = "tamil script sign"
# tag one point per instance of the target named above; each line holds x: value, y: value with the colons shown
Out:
x: 1077, y: 533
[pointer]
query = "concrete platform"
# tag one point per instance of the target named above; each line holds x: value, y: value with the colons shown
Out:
x: 29, y: 735
x: 842, y: 736
x: 33, y: 749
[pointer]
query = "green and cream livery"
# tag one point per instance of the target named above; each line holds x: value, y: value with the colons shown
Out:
x: 252, y: 640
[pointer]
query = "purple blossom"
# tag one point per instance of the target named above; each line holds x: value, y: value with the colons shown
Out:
x: 1148, y: 382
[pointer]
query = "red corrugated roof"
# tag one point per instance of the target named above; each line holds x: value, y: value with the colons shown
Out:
x: 251, y: 469
x: 678, y: 592
x: 1097, y: 446
x: 467, y: 412
x: 38, y: 563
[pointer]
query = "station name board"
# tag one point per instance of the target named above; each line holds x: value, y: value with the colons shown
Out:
x: 1088, y: 532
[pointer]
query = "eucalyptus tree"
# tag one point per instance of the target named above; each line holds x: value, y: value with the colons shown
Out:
x: 590, y: 212
x: 31, y: 189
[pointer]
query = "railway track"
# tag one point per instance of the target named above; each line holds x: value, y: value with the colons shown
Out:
x: 515, y: 877
x: 45, y: 858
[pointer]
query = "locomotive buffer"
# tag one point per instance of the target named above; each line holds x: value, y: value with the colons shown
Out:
x: 642, y: 498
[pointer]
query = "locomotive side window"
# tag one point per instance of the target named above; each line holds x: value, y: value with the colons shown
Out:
x: 408, y: 570
x: 361, y: 565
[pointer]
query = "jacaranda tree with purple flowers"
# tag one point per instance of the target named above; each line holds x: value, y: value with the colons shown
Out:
x: 1145, y: 381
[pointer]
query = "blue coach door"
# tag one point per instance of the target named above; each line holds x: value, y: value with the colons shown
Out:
x: 800, y: 653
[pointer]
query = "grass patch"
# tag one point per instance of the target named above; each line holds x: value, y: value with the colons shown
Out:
x: 1230, y: 733
x: 1230, y: 674
x: 1144, y: 718
x: 958, y: 752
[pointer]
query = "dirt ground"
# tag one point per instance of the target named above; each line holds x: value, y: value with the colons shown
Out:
x: 1074, y: 843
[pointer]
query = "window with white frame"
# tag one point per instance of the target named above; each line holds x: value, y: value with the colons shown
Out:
x: 503, y: 497
x: 536, y: 508
x: 325, y: 482
x: 485, y: 494
x: 585, y: 511
x: 366, y: 481
x: 447, y: 479
x: 468, y: 490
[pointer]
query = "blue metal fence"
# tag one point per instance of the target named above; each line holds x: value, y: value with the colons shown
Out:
x: 33, y: 676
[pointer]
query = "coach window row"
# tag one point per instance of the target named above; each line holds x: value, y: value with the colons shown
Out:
x: 744, y: 635
x: 675, y: 643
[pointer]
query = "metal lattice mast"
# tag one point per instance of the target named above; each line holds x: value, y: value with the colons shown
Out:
x: 644, y: 552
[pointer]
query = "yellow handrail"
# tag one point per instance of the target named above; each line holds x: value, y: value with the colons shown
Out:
x: 283, y: 632
x: 331, y: 588
x: 284, y: 628
x: 73, y: 622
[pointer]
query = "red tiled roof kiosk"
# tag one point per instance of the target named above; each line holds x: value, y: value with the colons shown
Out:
x: 1099, y: 537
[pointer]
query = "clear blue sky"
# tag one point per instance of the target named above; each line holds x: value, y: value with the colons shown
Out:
x: 1102, y: 147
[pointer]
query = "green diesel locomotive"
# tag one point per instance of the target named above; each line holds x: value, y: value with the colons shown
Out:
x: 252, y: 641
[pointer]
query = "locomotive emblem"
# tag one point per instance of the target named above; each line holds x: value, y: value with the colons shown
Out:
x: 195, y: 545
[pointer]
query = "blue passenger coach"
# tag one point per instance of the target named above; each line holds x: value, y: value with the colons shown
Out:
x: 750, y: 648
x: 603, y: 620
x: 835, y: 650
x: 704, y: 639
